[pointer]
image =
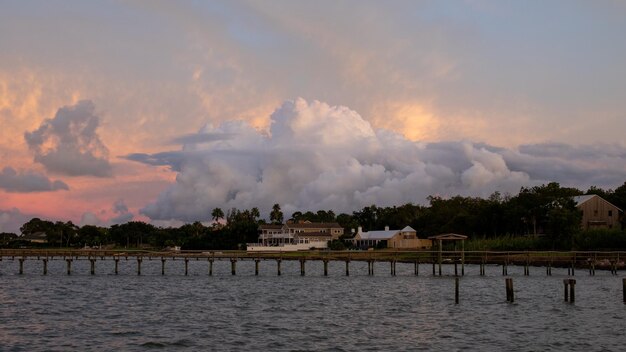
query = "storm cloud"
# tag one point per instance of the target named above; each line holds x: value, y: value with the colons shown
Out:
x: 317, y: 156
x: 68, y: 144
x: 26, y: 181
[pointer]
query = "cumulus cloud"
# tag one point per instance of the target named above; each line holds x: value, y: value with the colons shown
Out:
x: 12, y: 219
x: 317, y: 156
x: 121, y: 215
x: 69, y: 144
x: 25, y: 181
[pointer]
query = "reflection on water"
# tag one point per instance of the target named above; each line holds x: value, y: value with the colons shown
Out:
x: 244, y: 312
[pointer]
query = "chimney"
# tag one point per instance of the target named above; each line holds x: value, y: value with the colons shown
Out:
x: 386, y: 228
x: 360, y: 229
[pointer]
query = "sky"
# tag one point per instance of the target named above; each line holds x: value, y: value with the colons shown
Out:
x: 160, y: 111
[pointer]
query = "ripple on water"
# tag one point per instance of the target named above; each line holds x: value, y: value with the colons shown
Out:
x: 335, y: 313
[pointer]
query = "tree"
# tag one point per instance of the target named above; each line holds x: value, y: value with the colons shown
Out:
x: 217, y: 214
x: 276, y: 216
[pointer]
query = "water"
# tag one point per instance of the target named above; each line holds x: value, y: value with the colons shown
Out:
x: 293, y: 313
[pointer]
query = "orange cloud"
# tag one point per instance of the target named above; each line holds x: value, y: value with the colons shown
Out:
x: 413, y: 120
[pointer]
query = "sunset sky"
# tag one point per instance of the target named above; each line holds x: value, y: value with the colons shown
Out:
x: 163, y: 110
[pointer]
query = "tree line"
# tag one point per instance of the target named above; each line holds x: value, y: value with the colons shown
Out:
x: 546, y: 211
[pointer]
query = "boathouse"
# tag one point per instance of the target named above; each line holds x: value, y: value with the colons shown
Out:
x: 598, y: 212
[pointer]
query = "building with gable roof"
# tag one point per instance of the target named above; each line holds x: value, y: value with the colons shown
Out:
x: 399, y: 239
x: 301, y: 232
x: 598, y: 213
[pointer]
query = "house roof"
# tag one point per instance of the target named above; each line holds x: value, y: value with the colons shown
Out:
x: 448, y: 237
x: 270, y: 227
x: 383, y: 235
x: 583, y: 199
x: 378, y: 235
x: 34, y: 236
x: 315, y: 225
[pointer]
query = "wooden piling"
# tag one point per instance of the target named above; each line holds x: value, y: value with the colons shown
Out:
x: 456, y: 272
x: 370, y: 267
x: 348, y: 267
x: 417, y: 268
x: 302, y: 267
x: 256, y: 267
x: 549, y: 268
x: 93, y: 266
x: 117, y: 260
x: 186, y: 266
x: 456, y: 290
x: 278, y: 266
x: 392, y: 263
x: 510, y: 293
x: 233, y: 266
x: 21, y: 260
x: 139, y: 260
x: 69, y: 266
x: 162, y: 266
x: 569, y: 290
x: 45, y: 266
x: 325, y: 267
x: 434, y: 272
x: 211, y: 267
x: 624, y: 289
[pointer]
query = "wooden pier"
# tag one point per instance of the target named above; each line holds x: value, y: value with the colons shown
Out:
x: 586, y: 261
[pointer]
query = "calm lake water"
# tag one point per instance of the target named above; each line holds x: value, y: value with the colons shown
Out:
x: 293, y: 313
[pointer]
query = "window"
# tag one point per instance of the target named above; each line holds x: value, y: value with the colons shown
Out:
x: 610, y: 212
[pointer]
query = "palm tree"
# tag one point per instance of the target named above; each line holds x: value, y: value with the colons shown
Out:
x: 217, y: 214
x: 276, y: 216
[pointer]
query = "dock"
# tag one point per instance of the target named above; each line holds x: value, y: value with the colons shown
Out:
x: 433, y: 260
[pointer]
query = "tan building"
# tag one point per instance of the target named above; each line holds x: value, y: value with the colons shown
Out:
x: 301, y: 232
x: 598, y: 213
x: 400, y: 239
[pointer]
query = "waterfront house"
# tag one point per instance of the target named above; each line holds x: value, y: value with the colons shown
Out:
x: 399, y: 239
x: 300, y: 232
x: 597, y: 212
x: 35, y: 237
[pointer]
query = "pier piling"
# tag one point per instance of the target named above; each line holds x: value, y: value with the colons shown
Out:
x: 69, y: 266
x: 348, y: 267
x: 186, y: 266
x: 233, y: 266
x: 139, y: 260
x: 256, y: 267
x: 92, y: 271
x: 211, y: 267
x: 392, y: 263
x: 45, y: 266
x: 624, y: 289
x: 456, y: 290
x: 302, y: 268
x: 21, y: 266
x: 117, y: 260
x: 325, y: 267
x: 569, y: 287
x: 510, y: 294
x: 162, y: 266
x: 278, y: 266
x: 417, y: 268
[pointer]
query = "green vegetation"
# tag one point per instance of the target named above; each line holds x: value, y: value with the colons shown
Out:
x: 537, y: 218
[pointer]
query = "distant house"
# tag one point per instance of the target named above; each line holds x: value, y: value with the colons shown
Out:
x: 301, y: 232
x: 597, y: 213
x: 400, y: 239
x: 35, y: 237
